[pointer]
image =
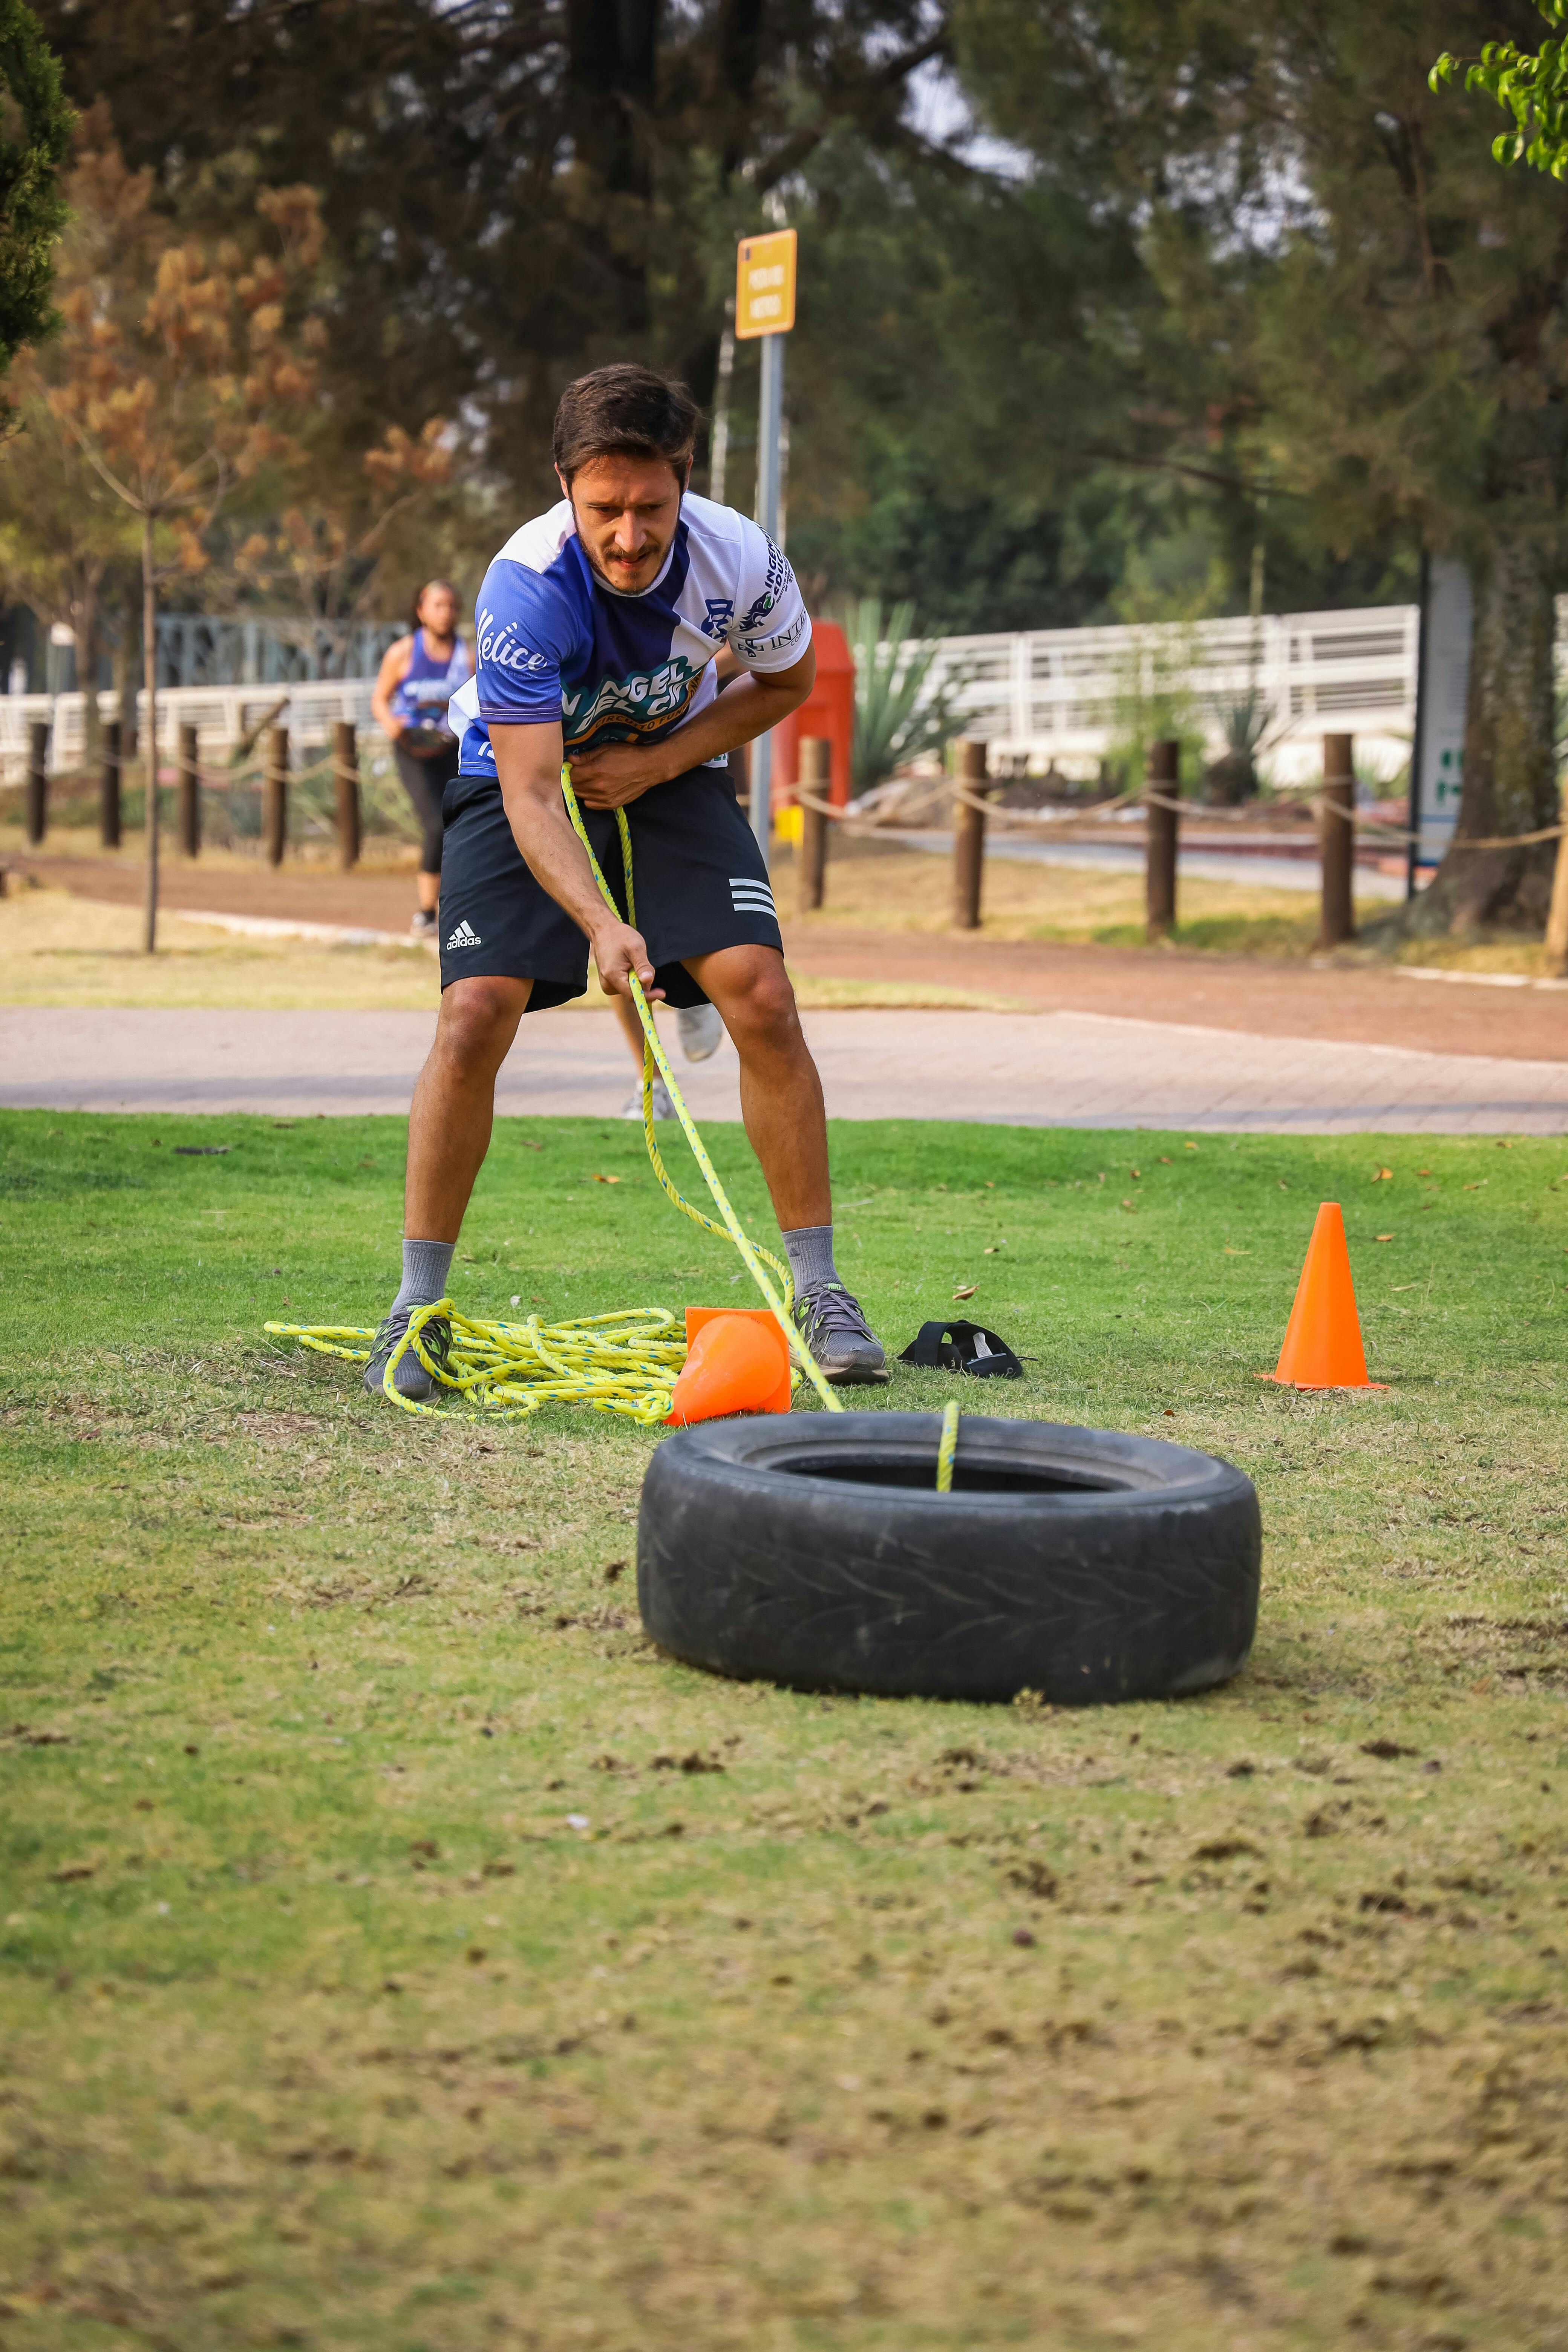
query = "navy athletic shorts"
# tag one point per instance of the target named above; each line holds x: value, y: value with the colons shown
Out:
x: 699, y: 879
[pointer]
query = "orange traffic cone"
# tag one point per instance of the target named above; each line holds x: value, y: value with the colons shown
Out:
x: 1322, y: 1339
x: 738, y: 1361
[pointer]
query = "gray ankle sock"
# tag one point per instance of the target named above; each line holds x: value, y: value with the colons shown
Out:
x: 425, y: 1266
x: 810, y: 1252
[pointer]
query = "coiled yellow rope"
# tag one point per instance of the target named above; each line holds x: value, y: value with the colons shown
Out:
x: 618, y: 1363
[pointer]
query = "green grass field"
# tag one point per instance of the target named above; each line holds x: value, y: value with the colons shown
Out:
x: 399, y: 1952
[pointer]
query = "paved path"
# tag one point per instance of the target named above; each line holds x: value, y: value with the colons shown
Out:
x: 1353, y: 1004
x: 1070, y: 1068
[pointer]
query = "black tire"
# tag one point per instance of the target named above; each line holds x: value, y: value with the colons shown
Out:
x: 1080, y: 1563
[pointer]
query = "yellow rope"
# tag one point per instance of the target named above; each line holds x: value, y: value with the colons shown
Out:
x: 947, y: 1446
x: 618, y: 1363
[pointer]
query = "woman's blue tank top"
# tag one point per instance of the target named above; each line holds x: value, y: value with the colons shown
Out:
x: 428, y: 686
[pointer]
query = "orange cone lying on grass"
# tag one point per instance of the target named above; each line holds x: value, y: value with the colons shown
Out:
x: 738, y: 1361
x: 1322, y: 1339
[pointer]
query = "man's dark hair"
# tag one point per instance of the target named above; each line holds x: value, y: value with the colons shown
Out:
x: 625, y: 412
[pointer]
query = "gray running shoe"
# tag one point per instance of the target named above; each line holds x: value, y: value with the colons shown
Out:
x: 662, y: 1106
x: 410, y: 1380
x: 829, y: 1321
x: 701, y: 1031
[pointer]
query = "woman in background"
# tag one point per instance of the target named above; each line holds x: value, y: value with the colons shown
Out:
x: 419, y: 676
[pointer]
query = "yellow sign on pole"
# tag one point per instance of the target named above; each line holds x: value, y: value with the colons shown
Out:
x: 765, y: 284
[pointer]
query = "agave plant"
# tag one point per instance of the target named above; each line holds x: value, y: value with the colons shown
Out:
x: 1233, y: 777
x: 898, y: 713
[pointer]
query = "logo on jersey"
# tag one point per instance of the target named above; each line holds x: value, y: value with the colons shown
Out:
x: 505, y: 650
x: 647, y: 699
x: 721, y: 612
x: 773, y: 586
x: 752, y: 648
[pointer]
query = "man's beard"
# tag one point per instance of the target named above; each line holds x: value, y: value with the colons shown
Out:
x: 649, y: 562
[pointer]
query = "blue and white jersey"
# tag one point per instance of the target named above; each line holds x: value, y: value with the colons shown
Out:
x: 554, y: 641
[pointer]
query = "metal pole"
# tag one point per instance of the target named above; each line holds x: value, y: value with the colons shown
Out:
x: 770, y: 415
x: 717, y: 462
x: 1336, y: 842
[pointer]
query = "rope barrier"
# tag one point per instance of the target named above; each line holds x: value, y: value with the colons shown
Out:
x: 615, y: 1363
x: 1397, y: 834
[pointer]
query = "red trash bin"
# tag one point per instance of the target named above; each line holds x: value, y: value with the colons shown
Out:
x: 828, y: 711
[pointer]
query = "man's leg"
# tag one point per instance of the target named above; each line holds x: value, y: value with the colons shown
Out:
x: 449, y: 1126
x: 781, y: 1103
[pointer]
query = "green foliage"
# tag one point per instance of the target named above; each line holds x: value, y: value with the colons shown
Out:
x: 898, y: 713
x: 35, y: 147
x: 1531, y: 85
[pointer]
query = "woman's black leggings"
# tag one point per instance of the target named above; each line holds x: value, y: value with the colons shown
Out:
x: 426, y: 781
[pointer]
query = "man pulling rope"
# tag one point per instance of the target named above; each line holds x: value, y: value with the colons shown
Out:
x: 597, y: 627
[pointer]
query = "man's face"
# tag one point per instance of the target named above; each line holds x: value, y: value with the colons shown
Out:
x: 626, y: 511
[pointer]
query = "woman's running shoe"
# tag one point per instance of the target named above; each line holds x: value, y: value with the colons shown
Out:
x: 701, y: 1031
x: 423, y: 924
x: 662, y: 1106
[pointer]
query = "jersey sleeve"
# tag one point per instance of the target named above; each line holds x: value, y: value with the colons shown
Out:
x: 771, y: 628
x: 522, y: 634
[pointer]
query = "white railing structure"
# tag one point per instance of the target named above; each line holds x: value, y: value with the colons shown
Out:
x: 1068, y: 695
x: 222, y: 715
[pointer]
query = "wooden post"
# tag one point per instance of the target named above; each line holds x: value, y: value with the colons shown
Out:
x: 275, y: 796
x: 815, y: 778
x: 109, y: 786
x: 1336, y: 842
x: 189, y: 826
x: 1161, y: 833
x: 37, y: 781
x: 345, y: 772
x: 968, y: 839
x: 1555, y: 962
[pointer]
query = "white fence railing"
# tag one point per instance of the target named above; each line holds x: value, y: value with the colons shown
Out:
x: 1068, y: 695
x: 1062, y: 695
x: 222, y: 715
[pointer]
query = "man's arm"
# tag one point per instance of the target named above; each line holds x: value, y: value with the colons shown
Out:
x: 528, y: 763
x: 622, y: 771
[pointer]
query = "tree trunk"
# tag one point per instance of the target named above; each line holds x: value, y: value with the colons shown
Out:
x: 150, y: 749
x: 1511, y: 781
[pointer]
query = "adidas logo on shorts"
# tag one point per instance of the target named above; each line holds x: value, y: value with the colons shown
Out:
x: 465, y: 936
x: 752, y: 897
